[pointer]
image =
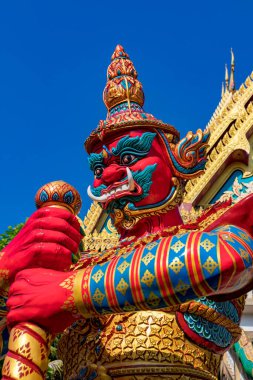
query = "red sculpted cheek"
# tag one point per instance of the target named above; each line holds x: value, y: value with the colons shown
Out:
x: 142, y: 164
x: 161, y: 180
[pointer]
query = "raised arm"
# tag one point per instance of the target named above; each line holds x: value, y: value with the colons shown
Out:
x: 167, y: 272
x: 161, y: 274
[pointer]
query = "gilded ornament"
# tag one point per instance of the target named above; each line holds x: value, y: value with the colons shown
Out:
x: 244, y: 254
x: 98, y: 296
x: 177, y: 246
x: 210, y: 265
x: 148, y: 257
x: 182, y: 287
x: 147, y: 278
x: 176, y: 265
x: 123, y: 267
x: 98, y: 275
x: 207, y: 245
x: 122, y: 286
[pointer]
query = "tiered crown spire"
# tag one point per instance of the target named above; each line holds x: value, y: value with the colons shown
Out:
x: 122, y: 83
x: 124, y: 98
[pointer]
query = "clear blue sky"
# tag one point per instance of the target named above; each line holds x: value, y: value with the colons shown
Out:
x: 53, y: 61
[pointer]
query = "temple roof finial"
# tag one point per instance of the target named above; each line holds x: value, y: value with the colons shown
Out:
x: 226, y: 78
x: 222, y: 90
x: 232, y: 58
x: 232, y: 73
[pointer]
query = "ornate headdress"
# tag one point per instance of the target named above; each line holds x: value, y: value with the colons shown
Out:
x: 124, y: 98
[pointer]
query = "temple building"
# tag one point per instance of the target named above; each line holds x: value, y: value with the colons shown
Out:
x: 228, y: 175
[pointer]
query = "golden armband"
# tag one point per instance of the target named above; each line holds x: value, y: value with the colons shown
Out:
x: 81, y: 293
x: 27, y: 357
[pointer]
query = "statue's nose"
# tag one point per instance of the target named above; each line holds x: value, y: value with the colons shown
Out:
x: 113, y: 173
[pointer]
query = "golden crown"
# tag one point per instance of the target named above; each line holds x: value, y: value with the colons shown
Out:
x: 124, y: 98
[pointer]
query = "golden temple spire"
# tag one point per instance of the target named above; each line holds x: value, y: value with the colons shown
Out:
x: 226, y: 78
x: 232, y: 73
x: 222, y: 89
x: 232, y: 58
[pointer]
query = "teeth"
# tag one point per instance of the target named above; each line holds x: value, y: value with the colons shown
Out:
x: 103, y: 198
x: 131, y: 185
x: 97, y: 199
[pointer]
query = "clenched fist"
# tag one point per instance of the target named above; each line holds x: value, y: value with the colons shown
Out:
x: 48, y: 240
x: 38, y: 296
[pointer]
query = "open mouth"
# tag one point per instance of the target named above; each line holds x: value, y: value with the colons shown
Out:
x: 117, y: 190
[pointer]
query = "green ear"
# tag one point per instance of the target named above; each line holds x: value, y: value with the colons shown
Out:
x: 188, y: 156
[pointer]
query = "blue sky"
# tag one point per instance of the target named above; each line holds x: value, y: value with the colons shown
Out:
x: 53, y: 61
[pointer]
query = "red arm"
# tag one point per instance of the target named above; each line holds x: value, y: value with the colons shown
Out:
x: 161, y: 274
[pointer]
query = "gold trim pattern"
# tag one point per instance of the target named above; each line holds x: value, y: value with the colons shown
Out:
x: 127, y: 218
x: 147, y: 278
x: 210, y: 265
x: 234, y: 116
x: 176, y: 265
x: 148, y: 345
x: 122, y: 286
x: 28, y: 343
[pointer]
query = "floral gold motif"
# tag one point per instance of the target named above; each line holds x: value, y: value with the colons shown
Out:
x: 176, y: 265
x: 98, y: 296
x: 123, y: 267
x: 207, y: 245
x: 122, y: 286
x: 97, y: 276
x: 153, y: 300
x: 210, y: 265
x: 177, y: 246
x: 244, y: 254
x: 182, y: 287
x: 147, y: 278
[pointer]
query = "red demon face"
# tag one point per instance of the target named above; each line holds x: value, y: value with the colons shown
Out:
x: 132, y: 169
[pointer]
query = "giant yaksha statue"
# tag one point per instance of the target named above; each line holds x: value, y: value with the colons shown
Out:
x: 166, y: 302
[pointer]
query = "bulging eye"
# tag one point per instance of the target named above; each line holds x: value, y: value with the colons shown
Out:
x: 98, y: 171
x: 127, y: 159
